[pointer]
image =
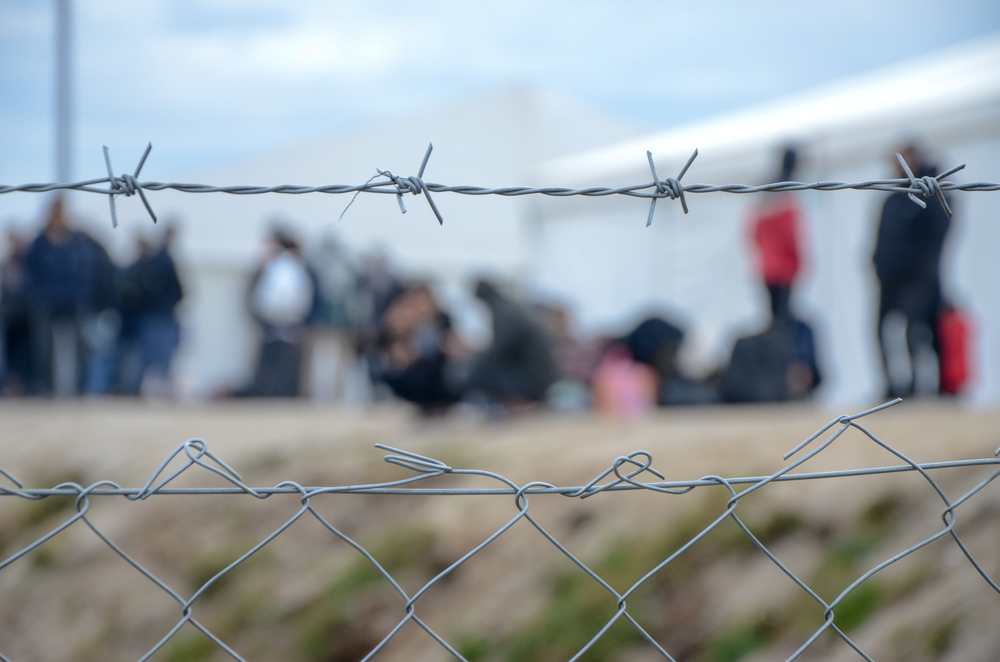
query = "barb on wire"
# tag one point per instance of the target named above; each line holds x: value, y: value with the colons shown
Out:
x: 414, y: 185
x: 672, y: 188
x: 929, y: 186
x: 421, y: 467
x: 126, y: 185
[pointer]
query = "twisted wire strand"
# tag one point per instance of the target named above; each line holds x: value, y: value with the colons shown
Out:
x: 624, y: 473
x: 671, y: 188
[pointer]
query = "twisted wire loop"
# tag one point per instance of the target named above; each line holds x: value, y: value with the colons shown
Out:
x: 414, y: 185
x: 927, y: 186
x: 126, y: 185
x: 670, y: 187
x: 625, y: 473
x: 391, y: 184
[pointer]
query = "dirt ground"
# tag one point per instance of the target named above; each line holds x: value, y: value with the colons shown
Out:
x: 309, y: 596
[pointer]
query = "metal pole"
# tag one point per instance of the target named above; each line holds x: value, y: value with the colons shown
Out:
x: 64, y: 137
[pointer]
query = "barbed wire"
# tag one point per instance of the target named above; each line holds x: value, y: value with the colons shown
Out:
x: 624, y: 473
x: 391, y: 184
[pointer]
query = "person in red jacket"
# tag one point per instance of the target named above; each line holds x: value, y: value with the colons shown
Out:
x: 779, y: 363
x: 776, y: 233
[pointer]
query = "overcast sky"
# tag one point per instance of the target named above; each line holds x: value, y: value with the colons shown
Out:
x: 209, y: 80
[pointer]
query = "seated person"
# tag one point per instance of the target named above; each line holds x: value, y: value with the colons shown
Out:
x: 417, y: 339
x: 518, y: 367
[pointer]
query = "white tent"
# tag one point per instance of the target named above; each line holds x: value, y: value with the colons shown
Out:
x: 597, y: 254
x: 492, y: 140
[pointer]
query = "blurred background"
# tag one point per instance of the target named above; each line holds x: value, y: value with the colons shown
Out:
x: 369, y: 325
x: 569, y: 95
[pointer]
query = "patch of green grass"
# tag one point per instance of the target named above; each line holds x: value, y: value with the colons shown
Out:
x: 880, y: 512
x: 578, y: 607
x: 44, y: 557
x: 403, y: 550
x: 741, y: 641
x: 774, y: 528
x: 780, y: 525
x: 249, y: 608
x: 194, y: 647
x: 577, y: 610
x: 569, y: 624
x: 335, y: 627
x: 942, y: 636
x: 916, y: 577
x: 209, y: 564
x: 473, y: 648
x: 847, y: 552
x: 858, y: 605
x: 28, y: 514
x: 841, y: 561
x: 41, y: 511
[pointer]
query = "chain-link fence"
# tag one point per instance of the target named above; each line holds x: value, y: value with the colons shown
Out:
x: 634, y: 471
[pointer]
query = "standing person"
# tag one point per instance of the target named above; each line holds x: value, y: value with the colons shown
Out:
x: 282, y: 298
x: 378, y: 287
x: 332, y: 361
x: 157, y: 330
x: 779, y: 363
x: 101, y: 324
x: 908, y: 264
x: 776, y: 234
x: 130, y: 296
x: 59, y: 268
x: 15, y: 353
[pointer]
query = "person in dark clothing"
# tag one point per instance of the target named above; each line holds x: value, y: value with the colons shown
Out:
x: 148, y: 292
x: 159, y: 332
x: 655, y: 342
x: 908, y: 263
x: 61, y: 270
x: 378, y: 288
x: 101, y: 325
x: 417, y: 344
x: 519, y: 364
x: 15, y: 335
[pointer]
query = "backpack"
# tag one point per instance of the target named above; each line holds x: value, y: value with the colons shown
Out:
x: 756, y: 371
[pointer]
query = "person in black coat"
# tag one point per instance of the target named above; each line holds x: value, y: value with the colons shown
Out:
x: 908, y: 264
x: 63, y: 276
x: 417, y: 345
x: 519, y: 364
x: 15, y: 319
x: 148, y: 292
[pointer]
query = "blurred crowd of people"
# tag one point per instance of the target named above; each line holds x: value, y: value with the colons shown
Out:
x: 72, y: 322
x: 335, y: 329
x: 324, y: 320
